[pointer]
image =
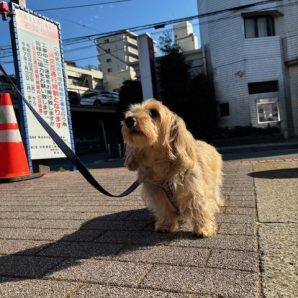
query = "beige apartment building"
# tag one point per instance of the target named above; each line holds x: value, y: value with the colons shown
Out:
x: 119, y: 55
x: 184, y: 36
x: 187, y: 41
x: 116, y: 54
x: 80, y: 80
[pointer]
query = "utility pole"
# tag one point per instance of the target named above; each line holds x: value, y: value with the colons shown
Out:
x: 147, y: 66
x: 22, y: 3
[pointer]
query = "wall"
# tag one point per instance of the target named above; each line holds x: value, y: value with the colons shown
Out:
x: 265, y: 66
x: 293, y: 89
x: 235, y: 61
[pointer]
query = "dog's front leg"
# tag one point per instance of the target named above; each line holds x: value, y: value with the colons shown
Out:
x: 131, y: 163
x: 203, y: 219
x: 166, y: 224
x: 131, y: 160
x: 165, y: 216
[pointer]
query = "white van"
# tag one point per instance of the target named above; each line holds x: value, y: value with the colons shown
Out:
x: 98, y: 98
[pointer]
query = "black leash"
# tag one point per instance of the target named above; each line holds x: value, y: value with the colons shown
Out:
x: 72, y: 157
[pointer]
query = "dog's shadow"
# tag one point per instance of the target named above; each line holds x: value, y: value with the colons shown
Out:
x: 103, y: 237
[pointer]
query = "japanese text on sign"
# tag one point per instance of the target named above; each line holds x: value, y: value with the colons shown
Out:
x: 42, y: 81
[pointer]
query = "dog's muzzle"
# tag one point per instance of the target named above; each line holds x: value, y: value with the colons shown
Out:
x: 130, y: 121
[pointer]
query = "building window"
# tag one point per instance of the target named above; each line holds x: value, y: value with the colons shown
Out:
x: 108, y: 60
x: 258, y: 26
x: 109, y: 69
x: 262, y: 87
x: 106, y: 40
x: 267, y: 110
x: 224, y: 109
x: 108, y: 50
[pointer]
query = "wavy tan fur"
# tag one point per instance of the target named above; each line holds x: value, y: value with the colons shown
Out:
x: 161, y: 149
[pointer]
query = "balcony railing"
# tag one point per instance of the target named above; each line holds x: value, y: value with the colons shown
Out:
x: 131, y: 41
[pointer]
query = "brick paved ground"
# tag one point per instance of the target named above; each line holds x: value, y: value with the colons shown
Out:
x: 61, y: 238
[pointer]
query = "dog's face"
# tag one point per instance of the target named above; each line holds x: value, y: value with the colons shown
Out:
x: 146, y: 124
x: 152, y: 127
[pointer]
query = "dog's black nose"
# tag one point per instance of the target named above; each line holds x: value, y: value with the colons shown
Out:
x: 130, y: 121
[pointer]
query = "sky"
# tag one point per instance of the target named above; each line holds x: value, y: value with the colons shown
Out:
x: 101, y: 19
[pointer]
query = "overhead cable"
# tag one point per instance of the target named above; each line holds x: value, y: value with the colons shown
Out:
x: 81, y: 6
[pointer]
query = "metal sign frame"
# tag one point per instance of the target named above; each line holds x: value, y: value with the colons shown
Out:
x: 272, y: 104
x: 61, y: 82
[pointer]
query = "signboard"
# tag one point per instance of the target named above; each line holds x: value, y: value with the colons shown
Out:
x: 267, y: 110
x: 40, y: 69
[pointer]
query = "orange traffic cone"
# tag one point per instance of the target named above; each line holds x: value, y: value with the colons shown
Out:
x: 13, y: 160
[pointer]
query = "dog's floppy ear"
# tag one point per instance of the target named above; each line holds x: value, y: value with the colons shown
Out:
x: 182, y: 143
x: 131, y: 160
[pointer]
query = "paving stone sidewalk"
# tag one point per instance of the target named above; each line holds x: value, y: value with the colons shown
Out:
x: 276, y: 185
x: 60, y: 238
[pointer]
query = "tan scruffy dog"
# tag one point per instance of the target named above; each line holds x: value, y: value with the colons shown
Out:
x: 181, y: 176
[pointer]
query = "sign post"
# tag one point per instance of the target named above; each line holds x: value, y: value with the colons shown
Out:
x: 39, y: 65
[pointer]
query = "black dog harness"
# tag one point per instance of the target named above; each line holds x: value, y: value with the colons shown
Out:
x: 167, y: 188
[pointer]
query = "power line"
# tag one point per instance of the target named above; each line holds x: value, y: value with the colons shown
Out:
x: 108, y: 34
x: 73, y: 22
x: 88, y: 46
x: 201, y: 23
x: 80, y: 6
x: 112, y: 33
x: 79, y: 59
x: 74, y: 40
x: 76, y: 49
x: 169, y: 22
x: 111, y: 53
x: 244, y: 60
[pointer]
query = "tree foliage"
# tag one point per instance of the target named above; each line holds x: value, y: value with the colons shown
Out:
x: 130, y: 93
x: 173, y: 73
x: 192, y: 98
x: 200, y: 108
x: 166, y: 43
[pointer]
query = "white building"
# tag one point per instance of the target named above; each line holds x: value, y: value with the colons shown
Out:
x: 197, y: 61
x: 253, y: 55
x: 119, y: 55
x: 116, y: 53
x: 80, y: 80
x: 187, y: 41
x: 184, y: 36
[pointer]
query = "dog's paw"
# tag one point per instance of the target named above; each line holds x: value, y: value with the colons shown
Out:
x: 162, y: 230
x: 220, y: 202
x: 205, y: 231
x: 165, y: 228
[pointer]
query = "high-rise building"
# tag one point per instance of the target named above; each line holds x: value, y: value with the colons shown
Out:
x: 116, y: 53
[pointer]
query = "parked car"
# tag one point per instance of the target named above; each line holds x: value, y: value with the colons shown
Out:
x: 98, y: 98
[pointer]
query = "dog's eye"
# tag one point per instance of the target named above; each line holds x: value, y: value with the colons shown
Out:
x: 153, y: 113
